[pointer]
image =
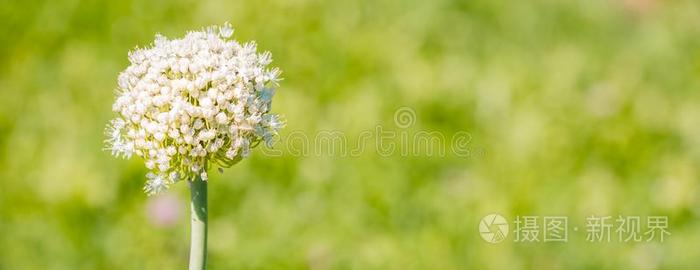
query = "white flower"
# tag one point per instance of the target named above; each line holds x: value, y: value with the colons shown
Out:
x: 187, y: 104
x: 115, y: 141
x: 221, y: 118
x: 156, y: 183
x: 226, y: 31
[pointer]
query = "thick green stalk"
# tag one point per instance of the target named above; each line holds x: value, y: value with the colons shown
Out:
x: 198, y: 236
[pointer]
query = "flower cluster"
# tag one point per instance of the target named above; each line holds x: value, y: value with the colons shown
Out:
x: 187, y: 104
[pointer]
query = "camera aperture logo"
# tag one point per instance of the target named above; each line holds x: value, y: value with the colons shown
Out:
x: 493, y: 228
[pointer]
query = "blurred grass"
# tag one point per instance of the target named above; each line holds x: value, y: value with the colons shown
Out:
x: 580, y: 108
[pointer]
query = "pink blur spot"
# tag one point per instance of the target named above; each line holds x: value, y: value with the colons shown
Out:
x: 163, y: 210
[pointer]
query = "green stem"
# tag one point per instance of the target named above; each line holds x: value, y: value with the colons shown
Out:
x: 198, y: 236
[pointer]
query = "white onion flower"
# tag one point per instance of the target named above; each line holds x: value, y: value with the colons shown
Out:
x: 185, y: 105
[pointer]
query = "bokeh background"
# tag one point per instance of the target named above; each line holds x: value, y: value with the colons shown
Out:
x: 575, y: 108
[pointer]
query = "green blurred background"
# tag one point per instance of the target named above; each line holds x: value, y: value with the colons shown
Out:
x: 575, y: 108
